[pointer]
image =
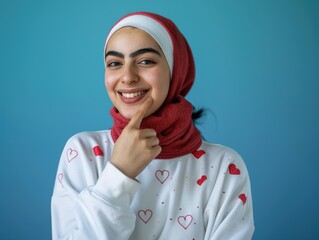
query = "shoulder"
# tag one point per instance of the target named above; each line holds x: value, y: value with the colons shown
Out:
x: 223, y: 156
x: 86, y: 141
x: 87, y: 146
x: 88, y: 137
x: 82, y: 160
x: 217, y: 150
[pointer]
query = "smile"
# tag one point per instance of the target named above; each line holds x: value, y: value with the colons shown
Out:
x: 133, y: 95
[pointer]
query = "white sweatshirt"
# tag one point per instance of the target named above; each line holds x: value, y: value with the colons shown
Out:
x: 204, y: 195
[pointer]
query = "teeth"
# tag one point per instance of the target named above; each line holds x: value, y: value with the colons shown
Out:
x: 132, y: 95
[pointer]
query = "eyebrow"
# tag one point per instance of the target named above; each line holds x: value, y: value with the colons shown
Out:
x: 133, y: 54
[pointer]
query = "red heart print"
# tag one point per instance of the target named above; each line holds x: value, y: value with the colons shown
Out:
x: 71, y: 154
x: 233, y: 169
x: 243, y: 198
x: 201, y: 180
x: 97, y: 151
x: 146, y: 215
x: 60, y: 177
x: 198, y: 153
x: 162, y: 175
x: 185, y: 221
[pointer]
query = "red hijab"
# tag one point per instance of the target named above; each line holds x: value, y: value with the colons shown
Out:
x: 173, y: 121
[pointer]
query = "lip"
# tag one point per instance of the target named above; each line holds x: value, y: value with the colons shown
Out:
x: 140, y: 94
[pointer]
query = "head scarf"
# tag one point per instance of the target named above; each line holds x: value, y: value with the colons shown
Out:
x: 173, y: 121
x: 153, y: 28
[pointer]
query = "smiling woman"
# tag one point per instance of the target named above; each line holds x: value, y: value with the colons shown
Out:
x: 135, y: 69
x: 151, y: 176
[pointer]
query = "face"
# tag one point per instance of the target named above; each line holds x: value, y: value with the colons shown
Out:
x: 135, y: 69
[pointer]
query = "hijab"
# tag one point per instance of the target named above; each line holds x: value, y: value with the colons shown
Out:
x: 173, y: 122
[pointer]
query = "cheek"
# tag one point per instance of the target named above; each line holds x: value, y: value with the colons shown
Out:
x: 109, y: 82
x: 162, y: 84
x: 161, y: 89
x: 108, y: 85
x: 165, y: 92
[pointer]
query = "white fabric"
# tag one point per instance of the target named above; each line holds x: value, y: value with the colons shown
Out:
x: 153, y: 28
x: 92, y: 199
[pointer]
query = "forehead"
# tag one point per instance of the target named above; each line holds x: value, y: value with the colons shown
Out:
x: 131, y: 37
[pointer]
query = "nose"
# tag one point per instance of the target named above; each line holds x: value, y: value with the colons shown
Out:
x: 129, y: 74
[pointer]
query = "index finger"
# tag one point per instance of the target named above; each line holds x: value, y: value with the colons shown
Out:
x: 140, y: 113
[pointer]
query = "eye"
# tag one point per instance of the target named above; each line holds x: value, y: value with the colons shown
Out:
x: 113, y: 64
x: 146, y: 62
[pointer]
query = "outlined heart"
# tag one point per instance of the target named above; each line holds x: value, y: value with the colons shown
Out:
x: 198, y: 153
x: 98, y: 151
x: 71, y: 154
x: 145, y: 215
x: 201, y: 180
x: 60, y: 178
x: 185, y: 221
x: 243, y: 198
x: 162, y: 175
x: 232, y: 168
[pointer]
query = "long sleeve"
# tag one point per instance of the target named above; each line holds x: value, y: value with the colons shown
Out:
x: 231, y: 217
x: 91, y: 198
x: 203, y: 195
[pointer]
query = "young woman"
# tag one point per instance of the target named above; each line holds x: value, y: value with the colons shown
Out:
x: 150, y: 176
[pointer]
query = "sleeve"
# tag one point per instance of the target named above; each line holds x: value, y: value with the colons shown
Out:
x: 87, y: 204
x: 229, y: 211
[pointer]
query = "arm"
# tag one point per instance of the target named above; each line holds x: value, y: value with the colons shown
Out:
x: 87, y: 206
x: 231, y: 216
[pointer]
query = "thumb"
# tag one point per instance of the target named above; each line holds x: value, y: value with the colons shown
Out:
x: 140, y: 113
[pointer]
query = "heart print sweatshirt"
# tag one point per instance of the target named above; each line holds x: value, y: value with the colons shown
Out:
x: 204, y: 195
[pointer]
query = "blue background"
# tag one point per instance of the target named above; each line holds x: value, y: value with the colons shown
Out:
x: 257, y: 71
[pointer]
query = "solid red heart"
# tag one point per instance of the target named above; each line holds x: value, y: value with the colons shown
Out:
x: 198, y: 153
x: 97, y: 151
x: 243, y: 198
x: 201, y: 180
x: 185, y: 221
x: 233, y: 169
x: 146, y: 215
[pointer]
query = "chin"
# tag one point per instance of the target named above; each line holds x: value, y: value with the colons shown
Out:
x: 127, y: 115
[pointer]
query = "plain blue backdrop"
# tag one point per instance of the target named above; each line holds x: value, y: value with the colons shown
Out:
x: 257, y: 72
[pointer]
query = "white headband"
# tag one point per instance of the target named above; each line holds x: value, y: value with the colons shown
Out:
x: 153, y: 28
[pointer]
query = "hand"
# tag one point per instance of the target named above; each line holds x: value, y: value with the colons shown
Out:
x: 135, y: 148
